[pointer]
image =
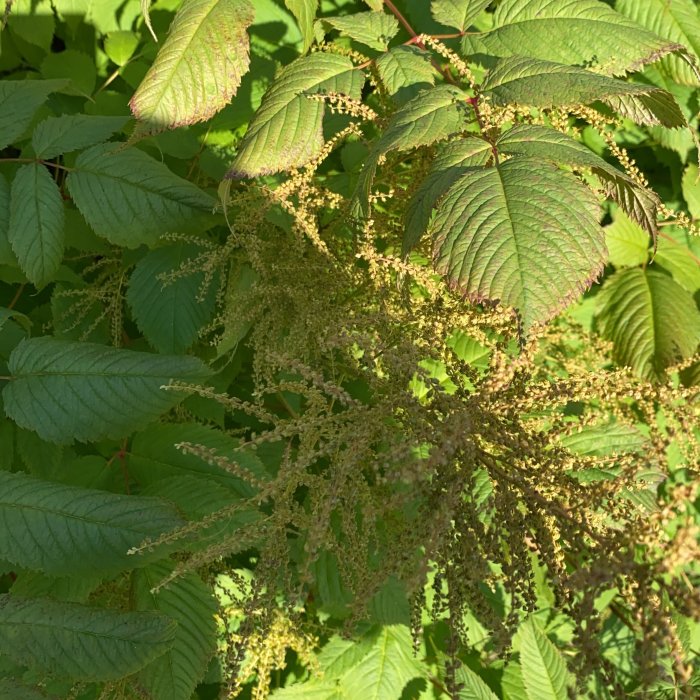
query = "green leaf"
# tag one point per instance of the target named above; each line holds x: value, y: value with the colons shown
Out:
x: 577, y: 33
x: 605, y: 439
x: 170, y: 313
x: 79, y: 642
x: 287, y: 130
x: 339, y: 655
x: 188, y: 601
x: 432, y: 115
x: 7, y: 257
x: 19, y: 100
x: 77, y: 66
x: 473, y: 687
x: 199, y: 68
x: 311, y: 690
x: 628, y: 244
x: 130, y: 198
x: 153, y: 456
x: 57, y: 135
x: 36, y: 223
x: 120, y: 46
x: 305, y: 13
x: 65, y: 390
x: 544, y: 671
x: 68, y: 530
x: 7, y: 314
x: 676, y: 21
x: 537, y: 83
x: 33, y: 21
x: 387, y: 668
x: 12, y: 688
x: 373, y: 29
x: 405, y: 67
x: 75, y: 589
x: 523, y: 233
x: 691, y: 190
x: 679, y: 254
x: 457, y: 13
x: 651, y: 320
x: 452, y: 160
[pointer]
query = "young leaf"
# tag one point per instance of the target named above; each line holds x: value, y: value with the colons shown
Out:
x: 67, y: 530
x: 651, y: 320
x: 130, y: 198
x: 187, y: 600
x: 80, y: 391
x: 80, y: 642
x: 404, y: 67
x: 36, y: 223
x: 457, y: 13
x: 373, y: 29
x: 537, y: 83
x: 57, y: 135
x: 578, y: 33
x: 544, y: 671
x: 169, y: 313
x: 19, y: 99
x: 199, y: 68
x: 305, y: 13
x: 387, y: 668
x: 676, y: 21
x: 523, y: 233
x: 287, y: 131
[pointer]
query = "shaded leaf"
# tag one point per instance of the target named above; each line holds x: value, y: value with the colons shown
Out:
x: 80, y: 642
x: 578, y: 32
x: 70, y: 132
x: 523, y: 233
x: 66, y: 390
x: 472, y: 686
x: 187, y: 600
x: 19, y: 100
x: 651, y: 320
x: 199, y: 67
x: 68, y: 530
x: 36, y: 223
x: 605, y: 439
x: 129, y: 198
x: 287, y: 130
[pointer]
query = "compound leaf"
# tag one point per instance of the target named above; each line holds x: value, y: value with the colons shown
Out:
x: 66, y: 530
x: 457, y: 13
x: 80, y: 642
x: 57, y: 135
x: 287, y: 130
x: 523, y: 233
x: 544, y: 671
x: 36, y: 223
x: 651, y: 320
x: 387, y: 668
x: 373, y: 29
x: 130, y: 198
x: 537, y: 83
x: 170, y: 313
x: 579, y: 32
x: 187, y: 600
x: 19, y: 99
x: 199, y: 68
x: 81, y: 391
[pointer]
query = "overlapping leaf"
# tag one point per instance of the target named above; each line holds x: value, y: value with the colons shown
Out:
x: 79, y: 642
x: 305, y: 13
x: 651, y: 320
x: 676, y: 21
x: 373, y: 29
x: 543, y: 668
x: 523, y: 233
x: 528, y: 81
x: 69, y: 132
x: 64, y: 530
x: 287, y: 130
x: 187, y: 600
x: 131, y: 199
x: 577, y: 32
x: 200, y: 66
x: 81, y: 391
x: 404, y: 67
x: 457, y: 13
x: 170, y: 313
x: 36, y: 223
x: 19, y: 100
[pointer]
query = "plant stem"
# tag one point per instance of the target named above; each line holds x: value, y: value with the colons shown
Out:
x: 395, y: 11
x: 48, y: 163
x: 16, y: 297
